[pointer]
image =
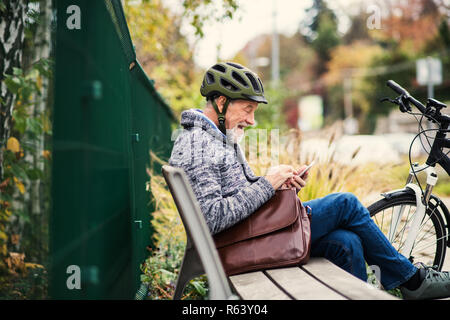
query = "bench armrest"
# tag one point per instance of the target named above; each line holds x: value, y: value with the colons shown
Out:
x: 198, y: 235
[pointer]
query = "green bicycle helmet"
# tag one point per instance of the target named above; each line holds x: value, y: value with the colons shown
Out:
x: 233, y: 81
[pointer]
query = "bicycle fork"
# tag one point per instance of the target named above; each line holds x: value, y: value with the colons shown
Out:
x: 421, y: 206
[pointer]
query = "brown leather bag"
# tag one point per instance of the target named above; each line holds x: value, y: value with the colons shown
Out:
x: 278, y: 234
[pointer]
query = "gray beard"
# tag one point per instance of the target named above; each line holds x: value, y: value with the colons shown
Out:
x: 234, y: 136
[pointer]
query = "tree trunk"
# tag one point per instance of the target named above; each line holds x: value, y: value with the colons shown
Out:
x: 11, y: 47
x: 42, y: 41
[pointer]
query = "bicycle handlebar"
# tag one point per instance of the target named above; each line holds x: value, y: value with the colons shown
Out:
x: 406, y: 96
x: 396, y: 87
x: 431, y: 112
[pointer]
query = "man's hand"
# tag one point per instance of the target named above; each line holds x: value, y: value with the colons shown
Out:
x: 296, y: 181
x: 278, y: 175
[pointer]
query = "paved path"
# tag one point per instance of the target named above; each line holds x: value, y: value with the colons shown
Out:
x: 388, y: 148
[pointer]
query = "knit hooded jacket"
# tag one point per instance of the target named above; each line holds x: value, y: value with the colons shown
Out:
x: 225, y: 186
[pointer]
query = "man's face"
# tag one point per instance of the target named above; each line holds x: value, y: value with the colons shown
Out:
x: 240, y: 114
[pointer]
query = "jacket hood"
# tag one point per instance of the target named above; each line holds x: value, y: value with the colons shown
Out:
x: 195, y: 118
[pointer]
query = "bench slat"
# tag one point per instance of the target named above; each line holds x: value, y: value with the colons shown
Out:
x: 302, y: 286
x: 256, y: 286
x: 344, y: 282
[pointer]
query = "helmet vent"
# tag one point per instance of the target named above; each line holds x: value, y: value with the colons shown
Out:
x: 228, y: 85
x: 262, y: 87
x: 236, y: 76
x: 234, y: 65
x: 253, y: 81
x: 210, y: 78
x: 218, y: 67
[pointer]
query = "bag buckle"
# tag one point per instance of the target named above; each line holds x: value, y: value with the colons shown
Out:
x: 308, y: 210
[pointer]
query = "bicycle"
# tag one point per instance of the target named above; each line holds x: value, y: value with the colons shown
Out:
x: 417, y: 221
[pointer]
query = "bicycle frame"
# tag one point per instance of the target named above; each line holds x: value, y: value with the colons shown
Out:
x: 422, y: 197
x: 436, y: 155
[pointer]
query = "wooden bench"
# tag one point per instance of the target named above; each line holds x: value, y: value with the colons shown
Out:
x: 319, y: 279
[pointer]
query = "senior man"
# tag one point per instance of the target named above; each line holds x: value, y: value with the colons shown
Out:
x: 228, y: 191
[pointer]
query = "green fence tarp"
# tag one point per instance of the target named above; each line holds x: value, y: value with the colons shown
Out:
x: 107, y: 116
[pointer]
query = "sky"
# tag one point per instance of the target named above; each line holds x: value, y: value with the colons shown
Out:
x: 254, y: 17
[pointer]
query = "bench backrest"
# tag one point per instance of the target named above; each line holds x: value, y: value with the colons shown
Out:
x: 197, y: 232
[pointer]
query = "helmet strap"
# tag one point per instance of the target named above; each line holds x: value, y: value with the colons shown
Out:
x: 221, y: 115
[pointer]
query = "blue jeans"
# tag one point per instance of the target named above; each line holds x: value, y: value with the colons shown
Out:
x: 343, y: 232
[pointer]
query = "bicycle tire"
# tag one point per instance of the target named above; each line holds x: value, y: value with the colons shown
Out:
x: 437, y: 223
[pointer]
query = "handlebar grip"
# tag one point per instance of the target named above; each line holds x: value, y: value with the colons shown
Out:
x: 396, y: 87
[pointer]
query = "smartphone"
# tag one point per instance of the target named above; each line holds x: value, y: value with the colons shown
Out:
x: 301, y: 174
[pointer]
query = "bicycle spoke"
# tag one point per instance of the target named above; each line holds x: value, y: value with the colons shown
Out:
x: 419, y: 240
x: 440, y: 238
x: 406, y: 223
x: 428, y: 231
x: 403, y: 229
x: 423, y: 238
x: 376, y: 220
x: 425, y: 233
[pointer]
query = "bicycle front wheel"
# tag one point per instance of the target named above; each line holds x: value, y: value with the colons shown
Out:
x: 430, y: 243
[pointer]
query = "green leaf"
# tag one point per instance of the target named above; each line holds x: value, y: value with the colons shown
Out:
x: 9, y: 157
x: 6, y: 197
x: 20, y: 125
x: 17, y: 71
x: 25, y: 92
x: 166, y: 272
x: 19, y: 172
x: 34, y: 174
x: 24, y: 215
x: 199, y: 288
x: 34, y: 126
x: 13, y: 84
x: 44, y: 67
